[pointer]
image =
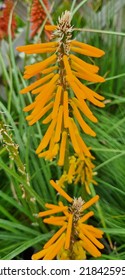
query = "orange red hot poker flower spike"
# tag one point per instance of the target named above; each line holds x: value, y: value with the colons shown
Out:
x: 74, y: 238
x: 60, y: 93
x: 4, y: 19
x: 37, y: 17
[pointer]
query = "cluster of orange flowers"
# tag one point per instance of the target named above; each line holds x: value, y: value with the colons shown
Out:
x: 37, y: 17
x: 60, y: 100
x: 4, y: 19
x: 74, y: 237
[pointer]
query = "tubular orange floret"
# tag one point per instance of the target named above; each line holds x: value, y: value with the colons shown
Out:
x: 40, y: 254
x: 37, y: 83
x: 66, y: 110
x: 82, y: 123
x: 67, y: 66
x: 55, y: 236
x: 49, y: 69
x: 46, y: 137
x: 92, y: 50
x: 44, y: 50
x: 57, y: 102
x: 78, y: 92
x: 53, y: 222
x: 40, y: 110
x: 38, y: 115
x: 89, y: 246
x: 40, y: 89
x: 87, y: 66
x: 34, y: 69
x: 50, y: 27
x: 86, y: 217
x: 91, y: 237
x: 52, y: 211
x: 61, y: 191
x: 41, y: 65
x: 56, y: 248
x: 47, y: 119
x: 73, y: 137
x: 95, y: 231
x: 29, y: 107
x: 58, y: 125
x: 84, y: 52
x: 66, y: 212
x: 55, y: 150
x: 47, y: 85
x: 43, y: 155
x: 62, y: 149
x: 89, y: 94
x: 68, y: 232
x: 37, y: 46
x: 90, y: 202
x: 89, y: 77
x: 82, y: 145
x: 71, y: 170
x: 84, y: 109
x: 85, y: 74
x: 56, y: 218
x: 51, y: 206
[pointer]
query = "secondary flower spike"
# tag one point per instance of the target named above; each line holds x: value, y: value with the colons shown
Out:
x: 37, y: 17
x: 74, y: 238
x: 59, y: 93
x: 5, y: 12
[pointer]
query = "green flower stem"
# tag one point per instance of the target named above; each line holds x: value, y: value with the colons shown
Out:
x: 25, y: 197
x: 108, y: 32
